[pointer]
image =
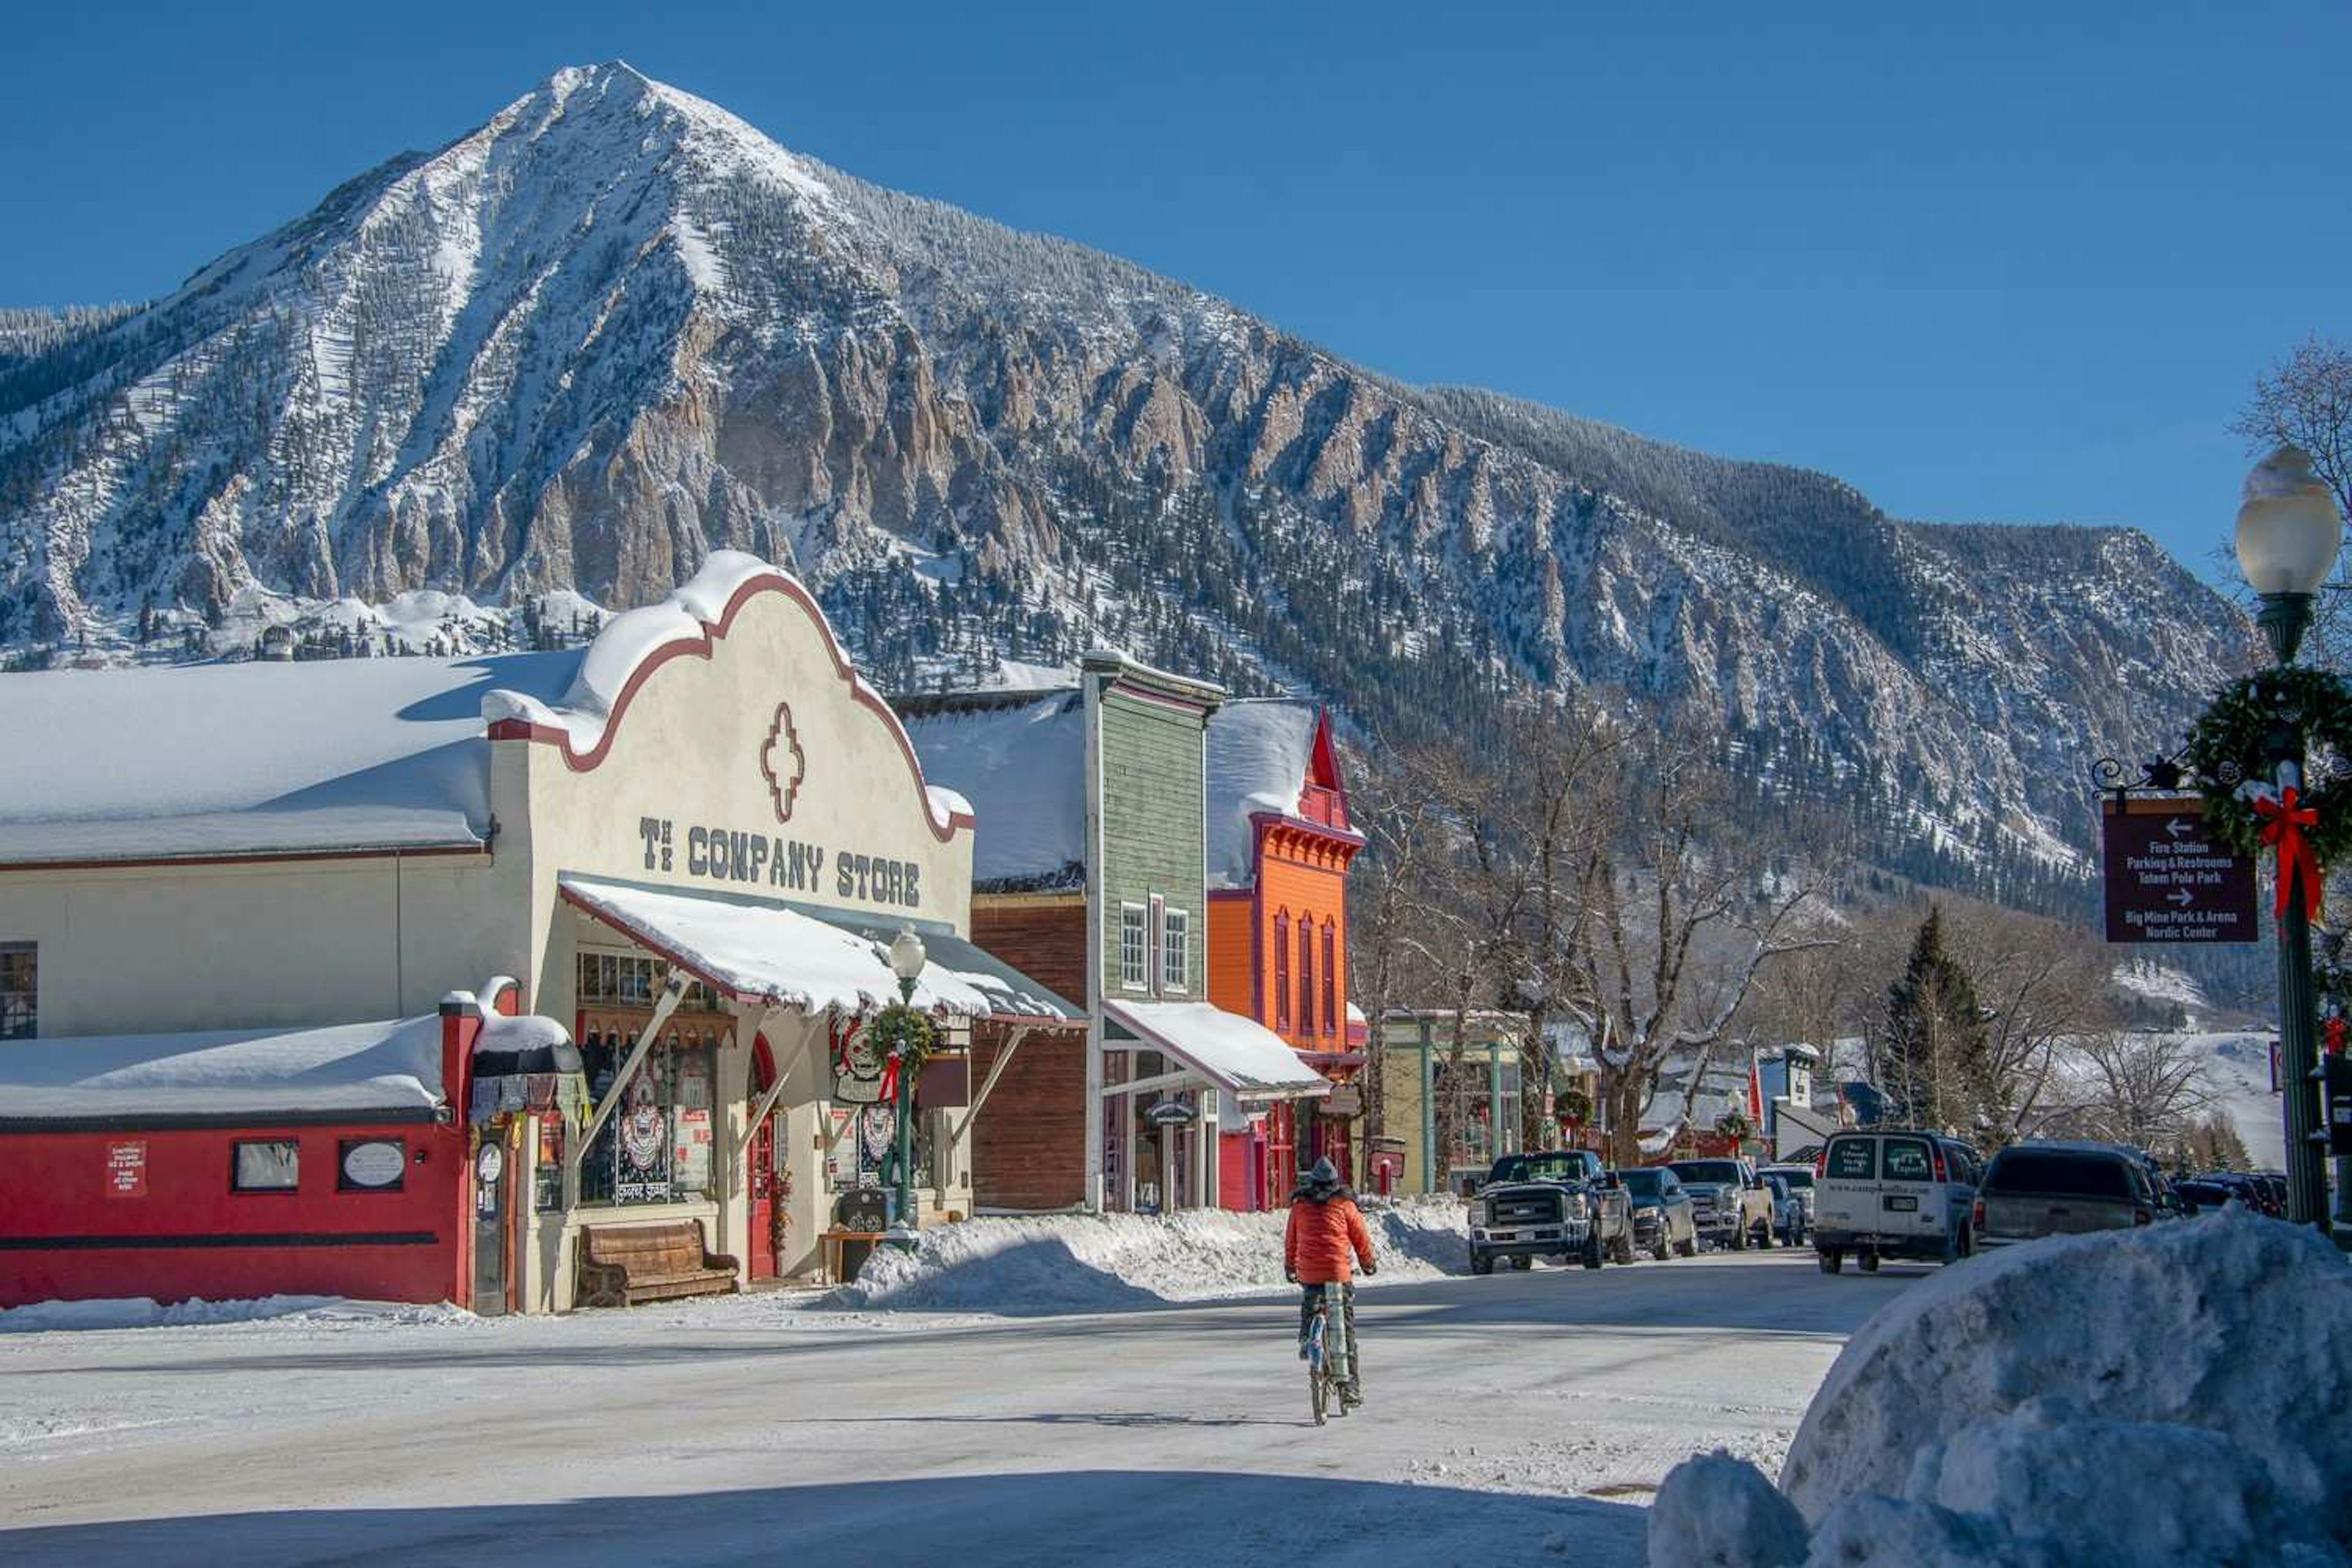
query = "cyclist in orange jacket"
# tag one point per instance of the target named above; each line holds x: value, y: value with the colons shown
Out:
x: 1322, y: 1243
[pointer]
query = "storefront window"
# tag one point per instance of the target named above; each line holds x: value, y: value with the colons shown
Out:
x: 547, y: 1175
x: 266, y: 1165
x: 1175, y: 950
x: 20, y: 1013
x: 628, y: 980
x: 655, y: 1147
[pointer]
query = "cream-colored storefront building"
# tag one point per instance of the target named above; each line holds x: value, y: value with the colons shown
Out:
x: 703, y: 824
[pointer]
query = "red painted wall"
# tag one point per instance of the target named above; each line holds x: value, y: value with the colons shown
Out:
x: 57, y: 1184
x: 177, y: 1234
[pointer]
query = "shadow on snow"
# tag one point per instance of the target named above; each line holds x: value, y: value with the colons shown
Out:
x: 1086, y: 1517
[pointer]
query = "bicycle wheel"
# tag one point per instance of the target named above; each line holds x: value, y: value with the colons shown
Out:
x: 1319, y: 1364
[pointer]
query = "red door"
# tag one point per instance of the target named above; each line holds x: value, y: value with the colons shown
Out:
x: 763, y: 1199
x: 764, y: 1174
x: 1281, y: 1156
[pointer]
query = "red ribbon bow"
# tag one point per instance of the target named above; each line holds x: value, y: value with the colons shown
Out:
x: 2284, y: 822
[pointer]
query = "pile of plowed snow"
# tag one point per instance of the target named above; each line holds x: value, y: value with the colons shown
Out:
x: 2175, y: 1394
x: 1090, y: 1263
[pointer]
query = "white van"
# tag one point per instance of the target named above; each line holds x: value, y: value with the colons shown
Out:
x: 1893, y: 1193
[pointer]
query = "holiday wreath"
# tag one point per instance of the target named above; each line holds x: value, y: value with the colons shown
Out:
x: 2309, y: 826
x: 903, y: 1038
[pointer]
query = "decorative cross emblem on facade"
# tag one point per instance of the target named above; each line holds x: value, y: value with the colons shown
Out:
x: 782, y: 762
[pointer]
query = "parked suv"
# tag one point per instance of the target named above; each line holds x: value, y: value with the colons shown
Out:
x: 2034, y: 1190
x: 1727, y: 1202
x: 1662, y: 1211
x: 1799, y: 1179
x: 1894, y: 1192
x: 1557, y: 1203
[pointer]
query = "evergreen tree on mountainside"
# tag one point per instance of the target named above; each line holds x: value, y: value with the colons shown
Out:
x: 1934, y: 1052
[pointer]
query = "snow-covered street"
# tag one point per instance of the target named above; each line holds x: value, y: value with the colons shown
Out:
x: 1522, y: 1417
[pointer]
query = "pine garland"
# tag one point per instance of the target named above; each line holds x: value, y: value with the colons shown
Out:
x: 2231, y: 745
x: 899, y: 1031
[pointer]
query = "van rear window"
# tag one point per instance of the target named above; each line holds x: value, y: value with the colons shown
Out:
x: 1907, y: 1160
x: 2068, y: 1174
x: 1854, y: 1159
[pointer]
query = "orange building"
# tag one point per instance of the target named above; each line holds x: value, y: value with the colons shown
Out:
x: 1279, y: 847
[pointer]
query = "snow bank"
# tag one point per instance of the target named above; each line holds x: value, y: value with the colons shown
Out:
x: 1716, y: 1511
x: 1094, y: 1263
x: 2172, y: 1395
x: 145, y: 1313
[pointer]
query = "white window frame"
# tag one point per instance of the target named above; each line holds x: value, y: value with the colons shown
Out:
x: 1176, y: 950
x: 1134, y: 948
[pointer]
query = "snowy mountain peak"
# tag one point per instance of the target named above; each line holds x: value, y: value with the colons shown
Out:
x: 615, y: 328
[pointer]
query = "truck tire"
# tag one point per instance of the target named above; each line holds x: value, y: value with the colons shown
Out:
x: 1480, y: 1263
x: 1592, y: 1257
x: 1830, y: 1262
x: 1623, y: 1250
x: 1690, y: 1248
x: 1665, y: 1249
x: 1522, y: 1262
x: 1740, y: 1236
x: 1764, y: 1237
x: 1869, y: 1262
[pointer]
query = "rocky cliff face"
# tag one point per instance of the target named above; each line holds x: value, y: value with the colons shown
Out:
x: 616, y: 328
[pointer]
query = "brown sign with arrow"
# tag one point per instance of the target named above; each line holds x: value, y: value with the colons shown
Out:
x: 2168, y: 879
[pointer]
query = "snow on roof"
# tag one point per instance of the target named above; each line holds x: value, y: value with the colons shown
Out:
x: 625, y: 643
x: 330, y: 755
x: 1021, y: 765
x: 390, y: 1066
x: 634, y: 638
x: 1259, y: 753
x: 1238, y: 1054
x: 766, y: 952
x: 252, y: 758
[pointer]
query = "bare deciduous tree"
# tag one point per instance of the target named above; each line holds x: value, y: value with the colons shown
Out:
x: 1679, y: 924
x: 2141, y: 1089
x: 2041, y: 984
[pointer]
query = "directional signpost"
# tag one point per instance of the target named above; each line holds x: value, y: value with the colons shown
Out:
x: 2169, y: 881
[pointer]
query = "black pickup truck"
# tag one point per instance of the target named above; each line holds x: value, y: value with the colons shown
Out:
x: 1559, y: 1204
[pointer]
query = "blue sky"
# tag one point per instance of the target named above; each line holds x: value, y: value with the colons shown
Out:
x: 1995, y: 262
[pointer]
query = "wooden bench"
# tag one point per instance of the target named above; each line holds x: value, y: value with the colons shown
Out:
x: 621, y: 1266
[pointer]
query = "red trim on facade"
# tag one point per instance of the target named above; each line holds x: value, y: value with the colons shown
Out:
x: 713, y: 632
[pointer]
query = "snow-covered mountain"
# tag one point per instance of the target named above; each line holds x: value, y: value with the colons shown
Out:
x: 616, y: 328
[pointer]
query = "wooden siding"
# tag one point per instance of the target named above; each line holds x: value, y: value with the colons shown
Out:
x: 1028, y: 1146
x: 1232, y: 972
x: 1044, y: 936
x: 1316, y: 888
x: 1153, y: 835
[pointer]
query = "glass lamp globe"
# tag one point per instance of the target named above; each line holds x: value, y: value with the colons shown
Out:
x: 907, y: 954
x: 2288, y: 530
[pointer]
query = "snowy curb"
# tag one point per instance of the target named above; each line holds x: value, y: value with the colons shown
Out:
x: 1099, y: 1263
x: 145, y: 1313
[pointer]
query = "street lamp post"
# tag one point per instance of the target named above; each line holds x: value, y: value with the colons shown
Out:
x: 907, y: 959
x: 2288, y: 536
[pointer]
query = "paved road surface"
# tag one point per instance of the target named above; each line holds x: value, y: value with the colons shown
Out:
x: 1522, y: 1417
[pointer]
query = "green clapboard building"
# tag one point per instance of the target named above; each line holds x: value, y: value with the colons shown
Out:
x: 1090, y: 862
